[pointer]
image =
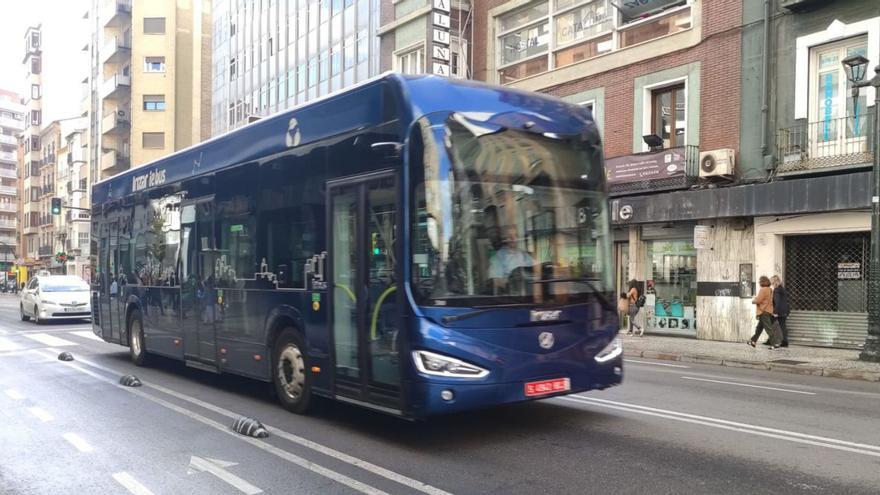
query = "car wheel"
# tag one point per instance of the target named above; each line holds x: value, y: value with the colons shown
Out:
x: 24, y: 317
x: 289, y: 365
x: 136, y: 347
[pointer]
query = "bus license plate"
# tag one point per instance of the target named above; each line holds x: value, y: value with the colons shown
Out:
x: 545, y: 387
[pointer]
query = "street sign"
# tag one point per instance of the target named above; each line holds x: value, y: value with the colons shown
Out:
x: 701, y: 237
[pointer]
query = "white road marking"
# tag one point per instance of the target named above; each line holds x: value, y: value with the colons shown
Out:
x: 216, y: 468
x: 8, y: 345
x: 78, y: 442
x: 656, y: 364
x: 88, y: 334
x: 50, y: 340
x: 41, y: 414
x: 131, y: 484
x: 292, y: 458
x: 747, y: 385
x: 791, y: 436
x: 14, y: 394
x: 341, y: 456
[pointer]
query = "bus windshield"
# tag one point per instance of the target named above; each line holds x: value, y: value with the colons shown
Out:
x: 505, y: 217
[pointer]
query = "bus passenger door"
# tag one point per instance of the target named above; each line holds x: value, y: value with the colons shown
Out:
x: 198, y: 292
x: 110, y: 282
x: 365, y: 308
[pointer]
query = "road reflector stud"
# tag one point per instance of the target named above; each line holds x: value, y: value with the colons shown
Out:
x: 250, y: 427
x: 65, y: 356
x: 130, y: 381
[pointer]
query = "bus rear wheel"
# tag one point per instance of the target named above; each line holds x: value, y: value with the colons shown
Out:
x: 136, y: 347
x: 292, y: 381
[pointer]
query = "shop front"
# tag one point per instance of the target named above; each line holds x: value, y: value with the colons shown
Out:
x: 671, y: 286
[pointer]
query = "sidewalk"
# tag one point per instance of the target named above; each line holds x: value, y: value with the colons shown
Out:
x: 837, y: 363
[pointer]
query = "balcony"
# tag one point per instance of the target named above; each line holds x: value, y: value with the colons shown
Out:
x: 12, y: 123
x: 45, y: 251
x: 840, y: 143
x: 8, y: 156
x: 9, y: 140
x: 49, y: 159
x: 115, y: 87
x: 9, y: 191
x: 116, y: 50
x: 116, y: 13
x: 114, y: 161
x: 8, y: 240
x: 8, y: 207
x: 666, y: 170
x: 85, y: 105
x: 8, y: 224
x: 115, y: 121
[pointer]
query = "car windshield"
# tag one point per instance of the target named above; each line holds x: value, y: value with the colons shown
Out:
x: 504, y: 216
x: 63, y: 284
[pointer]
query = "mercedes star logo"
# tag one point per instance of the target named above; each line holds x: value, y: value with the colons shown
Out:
x: 546, y: 340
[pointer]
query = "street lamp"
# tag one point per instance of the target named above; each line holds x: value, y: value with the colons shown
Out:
x: 856, y: 68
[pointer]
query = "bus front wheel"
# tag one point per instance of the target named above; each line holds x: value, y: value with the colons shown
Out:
x: 289, y: 372
x: 136, y: 347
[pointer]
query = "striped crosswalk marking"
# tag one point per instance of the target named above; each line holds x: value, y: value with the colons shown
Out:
x: 50, y: 340
x: 87, y: 334
x: 8, y: 345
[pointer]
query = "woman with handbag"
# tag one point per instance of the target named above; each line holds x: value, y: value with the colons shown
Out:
x: 764, y: 313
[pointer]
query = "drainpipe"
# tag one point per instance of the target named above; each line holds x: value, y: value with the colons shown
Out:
x: 765, y: 86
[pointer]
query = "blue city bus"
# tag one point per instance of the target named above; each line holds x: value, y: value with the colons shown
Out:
x: 414, y: 245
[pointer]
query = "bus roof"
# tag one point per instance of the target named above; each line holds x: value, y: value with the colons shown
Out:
x: 356, y: 107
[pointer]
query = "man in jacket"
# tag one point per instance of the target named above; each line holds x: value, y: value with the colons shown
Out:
x: 781, y: 307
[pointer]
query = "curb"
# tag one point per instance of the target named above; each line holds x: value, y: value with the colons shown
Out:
x: 868, y: 376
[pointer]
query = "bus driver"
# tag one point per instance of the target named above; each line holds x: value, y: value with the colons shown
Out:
x: 508, y: 258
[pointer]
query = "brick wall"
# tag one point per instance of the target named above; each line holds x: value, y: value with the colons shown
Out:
x: 719, y: 53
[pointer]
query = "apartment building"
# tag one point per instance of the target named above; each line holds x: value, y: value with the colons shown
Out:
x: 72, y: 187
x: 148, y: 86
x: 12, y: 123
x: 270, y: 55
x: 29, y: 172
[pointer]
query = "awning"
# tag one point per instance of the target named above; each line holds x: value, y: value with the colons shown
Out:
x: 633, y: 9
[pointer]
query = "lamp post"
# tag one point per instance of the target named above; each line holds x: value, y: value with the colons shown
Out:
x: 856, y: 68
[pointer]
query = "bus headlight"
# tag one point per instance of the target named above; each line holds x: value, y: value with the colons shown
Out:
x: 438, y: 365
x: 611, y: 351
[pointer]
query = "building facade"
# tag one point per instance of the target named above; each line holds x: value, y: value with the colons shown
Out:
x: 29, y: 172
x: 72, y: 187
x: 148, y: 85
x: 269, y: 55
x: 12, y: 123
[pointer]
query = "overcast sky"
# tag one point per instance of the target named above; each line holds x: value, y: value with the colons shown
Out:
x: 64, y: 62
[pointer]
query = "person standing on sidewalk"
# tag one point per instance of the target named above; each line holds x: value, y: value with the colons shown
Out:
x: 781, y: 307
x: 623, y: 310
x: 764, y: 311
x: 633, y: 298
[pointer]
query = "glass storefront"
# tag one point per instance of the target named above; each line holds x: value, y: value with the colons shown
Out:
x: 671, y: 286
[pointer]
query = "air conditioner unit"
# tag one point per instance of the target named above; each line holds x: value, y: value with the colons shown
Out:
x: 717, y: 163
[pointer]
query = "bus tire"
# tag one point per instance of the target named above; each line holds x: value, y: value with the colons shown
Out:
x: 136, y: 347
x: 293, y: 384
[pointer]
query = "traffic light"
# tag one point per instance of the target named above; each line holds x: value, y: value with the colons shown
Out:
x: 56, y: 206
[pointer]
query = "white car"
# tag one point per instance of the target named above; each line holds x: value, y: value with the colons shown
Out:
x: 55, y: 297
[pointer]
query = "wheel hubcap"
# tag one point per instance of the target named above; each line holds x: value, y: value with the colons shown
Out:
x: 136, y: 337
x: 291, y: 372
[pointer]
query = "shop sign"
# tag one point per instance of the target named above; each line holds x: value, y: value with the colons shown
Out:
x: 645, y: 166
x: 440, y: 51
x: 701, y: 237
x: 633, y: 9
x: 575, y: 25
x: 849, y: 271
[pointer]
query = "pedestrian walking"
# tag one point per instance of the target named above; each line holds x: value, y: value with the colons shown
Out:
x: 764, y: 313
x: 636, y: 301
x: 781, y: 307
x: 623, y: 309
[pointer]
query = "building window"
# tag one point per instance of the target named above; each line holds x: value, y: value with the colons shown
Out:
x: 154, y: 64
x: 831, y: 104
x: 552, y: 34
x: 154, y: 25
x: 669, y: 115
x: 411, y: 61
x: 36, y: 117
x: 83, y: 240
x: 35, y: 65
x: 232, y: 69
x: 154, y: 103
x: 154, y: 140
x: 35, y: 91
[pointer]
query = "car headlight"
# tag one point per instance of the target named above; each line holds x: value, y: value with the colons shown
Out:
x: 611, y: 351
x: 438, y: 365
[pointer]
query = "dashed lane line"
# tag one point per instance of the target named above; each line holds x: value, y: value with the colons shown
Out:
x: 14, y: 394
x: 8, y: 345
x: 132, y: 485
x: 41, y: 414
x: 78, y: 442
x: 50, y: 340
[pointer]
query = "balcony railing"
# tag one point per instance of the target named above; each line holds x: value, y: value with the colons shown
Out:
x: 9, y: 190
x: 116, y: 85
x: 45, y: 250
x: 115, y: 121
x: 8, y: 207
x: 841, y: 142
x: 653, y: 171
x: 12, y: 123
x: 8, y: 240
x: 8, y: 224
x: 113, y: 160
x: 8, y: 156
x: 116, y: 50
x: 116, y: 12
x: 9, y: 173
x: 7, y: 139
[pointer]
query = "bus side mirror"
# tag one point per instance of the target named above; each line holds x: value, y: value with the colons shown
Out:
x: 386, y: 150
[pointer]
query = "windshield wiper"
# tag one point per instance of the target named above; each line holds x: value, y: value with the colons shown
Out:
x: 584, y: 280
x: 482, y: 309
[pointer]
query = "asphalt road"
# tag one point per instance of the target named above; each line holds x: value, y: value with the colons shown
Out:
x: 70, y: 428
